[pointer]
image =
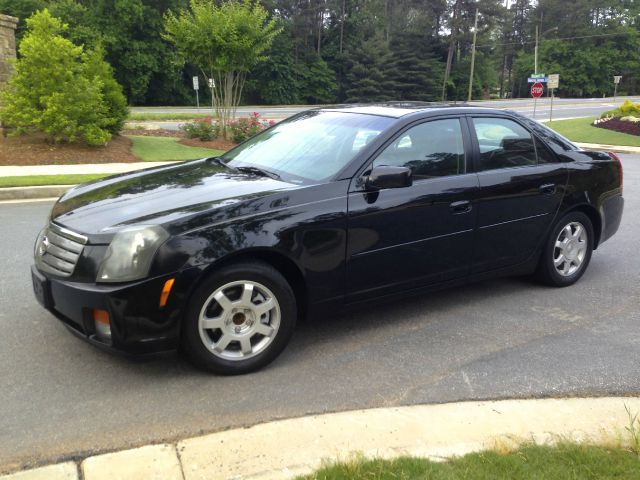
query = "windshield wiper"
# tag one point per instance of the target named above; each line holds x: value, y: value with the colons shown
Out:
x: 259, y: 171
x: 218, y: 161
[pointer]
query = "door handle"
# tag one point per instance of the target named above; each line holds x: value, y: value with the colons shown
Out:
x: 463, y: 206
x: 548, y: 189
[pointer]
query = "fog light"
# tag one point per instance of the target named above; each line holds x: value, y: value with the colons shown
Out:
x: 103, y: 325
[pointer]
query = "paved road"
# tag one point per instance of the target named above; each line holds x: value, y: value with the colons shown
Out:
x: 498, y: 339
x: 562, y: 108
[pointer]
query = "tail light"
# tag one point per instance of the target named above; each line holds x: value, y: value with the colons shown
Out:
x: 619, y: 162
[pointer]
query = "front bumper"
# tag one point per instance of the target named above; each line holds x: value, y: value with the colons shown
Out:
x: 138, y: 324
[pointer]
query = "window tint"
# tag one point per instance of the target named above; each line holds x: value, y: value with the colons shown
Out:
x: 544, y: 154
x: 432, y: 149
x: 309, y: 147
x: 503, y: 144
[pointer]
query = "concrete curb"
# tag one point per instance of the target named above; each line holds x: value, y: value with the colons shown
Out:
x: 29, y: 193
x: 54, y: 191
x: 609, y: 148
x: 286, y: 448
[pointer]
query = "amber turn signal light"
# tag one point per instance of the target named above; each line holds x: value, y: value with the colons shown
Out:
x: 101, y: 316
x: 166, y: 290
x: 102, y: 323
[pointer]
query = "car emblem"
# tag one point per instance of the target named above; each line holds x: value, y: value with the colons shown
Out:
x: 44, y: 246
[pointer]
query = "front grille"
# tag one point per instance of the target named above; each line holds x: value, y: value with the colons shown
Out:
x: 58, y: 250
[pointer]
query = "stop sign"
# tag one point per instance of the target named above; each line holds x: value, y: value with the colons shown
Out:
x: 537, y: 89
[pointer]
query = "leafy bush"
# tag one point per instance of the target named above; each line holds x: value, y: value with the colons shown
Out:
x: 627, y: 109
x: 112, y: 95
x: 201, y: 128
x: 60, y: 90
x: 247, y: 127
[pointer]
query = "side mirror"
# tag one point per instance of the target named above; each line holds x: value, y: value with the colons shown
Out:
x: 387, y: 176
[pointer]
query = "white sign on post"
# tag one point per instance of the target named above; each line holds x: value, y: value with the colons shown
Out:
x: 616, y: 79
x: 554, y: 81
x: 196, y: 85
x: 212, y: 83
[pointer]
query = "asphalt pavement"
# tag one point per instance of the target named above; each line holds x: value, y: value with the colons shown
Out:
x: 507, y: 338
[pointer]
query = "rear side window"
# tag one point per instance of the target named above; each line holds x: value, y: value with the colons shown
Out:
x: 544, y: 154
x: 503, y: 144
x: 431, y: 149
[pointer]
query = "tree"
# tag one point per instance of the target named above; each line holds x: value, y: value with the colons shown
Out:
x: 365, y: 72
x: 276, y: 80
x: 413, y: 73
x: 224, y: 41
x: 61, y: 90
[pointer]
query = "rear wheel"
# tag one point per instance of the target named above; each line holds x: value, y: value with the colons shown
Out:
x: 568, y: 251
x: 239, y: 319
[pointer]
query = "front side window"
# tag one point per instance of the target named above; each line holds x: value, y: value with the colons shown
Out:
x: 309, y: 147
x: 503, y: 144
x: 432, y: 149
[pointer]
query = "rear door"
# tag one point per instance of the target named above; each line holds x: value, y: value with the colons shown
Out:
x: 521, y: 186
x: 403, y: 238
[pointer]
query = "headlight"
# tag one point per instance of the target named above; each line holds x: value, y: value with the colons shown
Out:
x: 130, y: 253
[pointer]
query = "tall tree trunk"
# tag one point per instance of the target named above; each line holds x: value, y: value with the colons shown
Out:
x: 342, y: 25
x: 320, y: 24
x: 452, y: 45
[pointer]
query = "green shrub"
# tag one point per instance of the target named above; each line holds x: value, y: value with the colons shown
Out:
x: 627, y: 109
x: 201, y: 128
x: 60, y: 90
x: 114, y: 99
x: 247, y: 127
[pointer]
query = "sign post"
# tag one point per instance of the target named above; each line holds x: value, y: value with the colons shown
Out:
x: 196, y: 87
x: 537, y: 89
x: 537, y: 79
x: 212, y: 86
x: 552, y: 84
x: 616, y: 81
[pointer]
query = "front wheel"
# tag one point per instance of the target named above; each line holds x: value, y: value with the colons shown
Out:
x: 568, y: 251
x: 239, y: 319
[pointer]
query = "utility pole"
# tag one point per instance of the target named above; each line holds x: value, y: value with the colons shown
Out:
x: 473, y: 55
x: 535, y: 54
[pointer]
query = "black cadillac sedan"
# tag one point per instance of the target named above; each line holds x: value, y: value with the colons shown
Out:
x: 330, y: 208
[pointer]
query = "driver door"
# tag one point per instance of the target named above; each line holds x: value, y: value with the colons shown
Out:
x: 403, y: 238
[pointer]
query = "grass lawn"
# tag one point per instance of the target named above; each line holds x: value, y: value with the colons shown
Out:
x: 566, y: 461
x: 145, y: 116
x: 35, y: 180
x: 581, y: 130
x: 157, y: 149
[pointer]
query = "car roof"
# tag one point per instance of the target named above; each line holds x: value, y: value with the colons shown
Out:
x: 401, y: 109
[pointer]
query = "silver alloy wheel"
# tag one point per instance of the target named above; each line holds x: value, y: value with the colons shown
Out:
x: 570, y: 249
x: 239, y: 320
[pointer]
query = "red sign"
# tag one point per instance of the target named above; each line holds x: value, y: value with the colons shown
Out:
x: 537, y: 89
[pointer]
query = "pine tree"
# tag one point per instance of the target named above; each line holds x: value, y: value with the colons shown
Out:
x: 413, y: 72
x: 365, y: 77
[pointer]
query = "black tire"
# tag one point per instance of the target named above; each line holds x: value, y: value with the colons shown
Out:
x: 264, y: 275
x: 547, y: 272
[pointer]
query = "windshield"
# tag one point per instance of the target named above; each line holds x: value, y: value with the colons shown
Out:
x: 312, y: 146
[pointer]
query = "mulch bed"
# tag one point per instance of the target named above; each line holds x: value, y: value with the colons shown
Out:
x: 218, y: 143
x: 34, y: 150
x: 618, y: 125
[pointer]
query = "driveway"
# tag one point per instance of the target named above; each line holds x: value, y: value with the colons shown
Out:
x: 507, y: 338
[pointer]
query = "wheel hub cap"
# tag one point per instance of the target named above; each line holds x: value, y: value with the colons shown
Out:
x: 570, y: 249
x: 239, y: 320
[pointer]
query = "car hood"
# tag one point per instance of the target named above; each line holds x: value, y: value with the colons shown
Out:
x: 161, y: 195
